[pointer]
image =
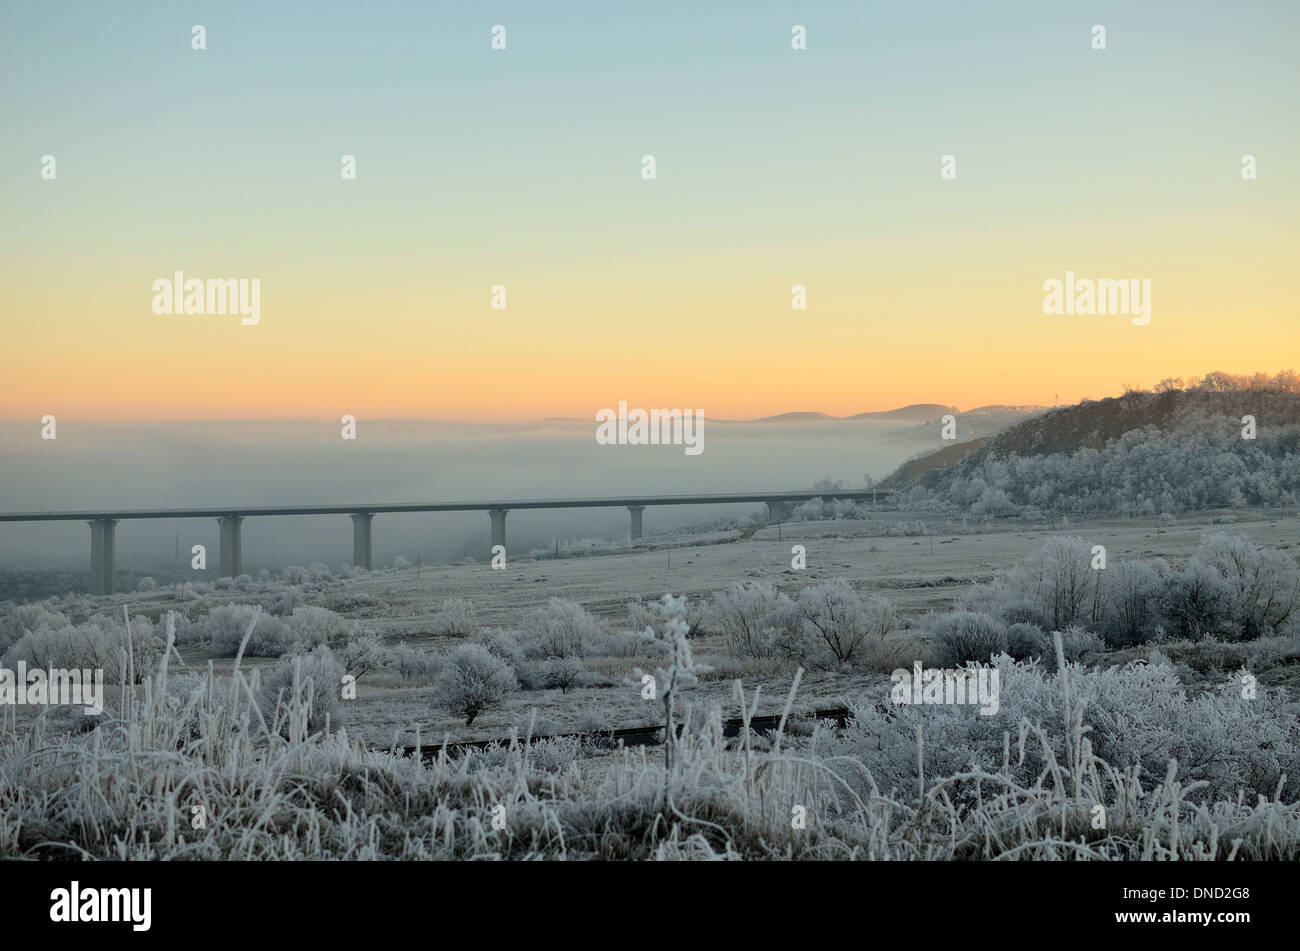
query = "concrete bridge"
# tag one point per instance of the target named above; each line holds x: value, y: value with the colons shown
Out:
x: 103, y: 525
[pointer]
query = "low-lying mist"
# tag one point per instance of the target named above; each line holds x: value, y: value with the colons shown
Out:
x: 110, y: 466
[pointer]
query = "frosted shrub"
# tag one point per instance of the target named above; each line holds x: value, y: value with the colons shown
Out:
x: 1263, y: 586
x: 963, y: 636
x: 1054, y: 587
x: 840, y: 622
x: 626, y: 643
x: 455, y: 618
x: 16, y: 621
x: 471, y: 681
x: 315, y: 679
x: 593, y: 721
x: 562, y: 673
x: 224, y: 626
x: 561, y: 629
x: 755, y: 619
x: 503, y: 644
x: 1132, y: 602
x: 1135, y: 717
x: 295, y: 575
x: 362, y: 654
x: 1076, y: 642
x: 414, y: 666
x: 147, y: 584
x: 284, y: 601
x: 100, y: 643
x: 309, y: 626
x: 1027, y: 640
x: 1197, y: 602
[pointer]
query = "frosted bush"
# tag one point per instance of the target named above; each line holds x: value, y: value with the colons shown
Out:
x: 560, y: 629
x: 503, y: 644
x: 1263, y: 587
x: 471, y: 681
x: 755, y: 620
x: 16, y: 621
x: 562, y: 673
x: 1197, y: 602
x: 413, y: 665
x: 225, y: 625
x: 309, y: 626
x: 1054, y: 587
x: 1076, y: 642
x: 1027, y: 640
x: 223, y: 629
x: 284, y: 601
x: 593, y: 721
x: 100, y: 643
x: 1137, y: 716
x: 962, y: 636
x: 1131, y: 609
x: 841, y: 623
x: 295, y: 575
x: 316, y: 678
x: 362, y: 654
x: 454, y: 618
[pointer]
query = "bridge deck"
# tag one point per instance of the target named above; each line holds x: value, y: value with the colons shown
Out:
x: 379, y: 508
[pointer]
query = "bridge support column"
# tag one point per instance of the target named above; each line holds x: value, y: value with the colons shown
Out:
x: 777, y: 510
x: 232, y: 555
x: 498, y: 526
x: 103, y: 555
x: 361, y: 539
x: 636, y: 511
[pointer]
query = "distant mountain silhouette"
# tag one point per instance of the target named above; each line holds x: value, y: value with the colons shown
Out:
x: 795, y: 418
x: 917, y: 412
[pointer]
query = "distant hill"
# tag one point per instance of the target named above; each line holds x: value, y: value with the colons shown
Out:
x: 795, y: 418
x: 1002, y: 409
x: 918, y: 412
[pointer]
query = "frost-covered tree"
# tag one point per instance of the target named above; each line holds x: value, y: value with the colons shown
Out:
x: 473, y: 680
x: 562, y: 673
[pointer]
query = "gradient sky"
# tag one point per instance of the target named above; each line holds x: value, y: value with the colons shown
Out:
x: 522, y: 167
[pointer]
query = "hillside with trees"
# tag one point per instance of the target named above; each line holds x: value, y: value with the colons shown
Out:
x: 1183, y: 446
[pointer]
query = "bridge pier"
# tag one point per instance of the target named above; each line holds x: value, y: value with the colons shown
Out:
x: 361, y: 539
x: 777, y: 510
x: 636, y: 511
x: 103, y: 555
x: 232, y: 555
x: 498, y: 517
